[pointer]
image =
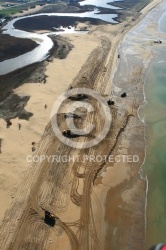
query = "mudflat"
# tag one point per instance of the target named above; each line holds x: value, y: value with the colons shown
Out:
x: 11, y: 47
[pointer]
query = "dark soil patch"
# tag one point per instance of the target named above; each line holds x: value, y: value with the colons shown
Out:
x: 11, y: 47
x: 50, y: 22
x: 12, y: 105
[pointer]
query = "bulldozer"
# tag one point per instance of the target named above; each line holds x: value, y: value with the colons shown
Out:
x: 50, y: 219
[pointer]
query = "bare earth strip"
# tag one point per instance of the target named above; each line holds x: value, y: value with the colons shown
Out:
x: 98, y: 205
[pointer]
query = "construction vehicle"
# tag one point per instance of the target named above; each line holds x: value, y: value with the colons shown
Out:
x: 49, y: 219
x: 123, y: 95
x: 71, y: 115
x: 110, y: 102
x: 158, y: 41
x: 67, y: 132
x: 78, y: 97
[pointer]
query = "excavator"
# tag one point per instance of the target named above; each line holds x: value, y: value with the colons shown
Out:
x: 50, y: 219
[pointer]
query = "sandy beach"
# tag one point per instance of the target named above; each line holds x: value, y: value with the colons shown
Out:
x: 103, y: 198
x: 60, y: 74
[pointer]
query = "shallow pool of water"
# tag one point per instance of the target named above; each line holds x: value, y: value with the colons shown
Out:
x: 100, y: 3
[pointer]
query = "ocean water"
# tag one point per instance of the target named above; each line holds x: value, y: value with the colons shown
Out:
x: 154, y: 113
x: 155, y: 163
x: 162, y: 23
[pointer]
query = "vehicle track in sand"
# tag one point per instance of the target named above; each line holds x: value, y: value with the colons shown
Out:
x: 52, y: 186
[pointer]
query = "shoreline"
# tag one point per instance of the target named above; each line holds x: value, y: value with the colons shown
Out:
x: 151, y: 28
x: 115, y: 45
x: 152, y: 235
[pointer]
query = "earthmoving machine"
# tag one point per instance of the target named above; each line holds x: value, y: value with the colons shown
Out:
x: 123, y: 95
x: 50, y: 219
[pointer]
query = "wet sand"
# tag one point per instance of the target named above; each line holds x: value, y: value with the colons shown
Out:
x: 139, y: 50
x: 153, y: 113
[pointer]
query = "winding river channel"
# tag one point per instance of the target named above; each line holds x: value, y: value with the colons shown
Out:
x: 41, y: 52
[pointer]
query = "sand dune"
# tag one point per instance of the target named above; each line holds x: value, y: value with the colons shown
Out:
x: 17, y: 144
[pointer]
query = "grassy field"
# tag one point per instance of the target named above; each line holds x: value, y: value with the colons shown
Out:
x: 10, y: 11
x: 141, y: 5
x: 16, y: 9
x: 128, y: 6
x: 131, y: 5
